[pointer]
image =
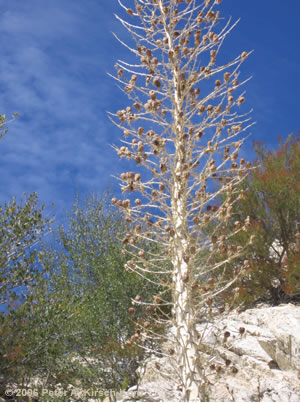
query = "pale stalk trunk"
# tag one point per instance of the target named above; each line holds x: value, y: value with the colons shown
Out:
x: 183, y: 312
x: 184, y: 315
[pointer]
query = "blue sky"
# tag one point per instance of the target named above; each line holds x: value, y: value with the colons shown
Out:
x: 54, y: 59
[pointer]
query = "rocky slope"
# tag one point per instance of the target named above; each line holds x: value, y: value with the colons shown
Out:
x: 259, y: 360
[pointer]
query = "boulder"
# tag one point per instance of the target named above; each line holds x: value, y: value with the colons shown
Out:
x: 259, y: 361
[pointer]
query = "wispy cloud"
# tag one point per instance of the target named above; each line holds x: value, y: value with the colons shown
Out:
x: 60, y: 143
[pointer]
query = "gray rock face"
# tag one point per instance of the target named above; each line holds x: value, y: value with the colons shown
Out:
x: 259, y: 361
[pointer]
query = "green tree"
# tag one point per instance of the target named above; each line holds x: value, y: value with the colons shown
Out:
x: 22, y: 226
x: 272, y: 202
x: 76, y: 320
x: 21, y: 229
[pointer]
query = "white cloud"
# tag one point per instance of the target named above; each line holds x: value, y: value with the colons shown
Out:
x: 47, y: 74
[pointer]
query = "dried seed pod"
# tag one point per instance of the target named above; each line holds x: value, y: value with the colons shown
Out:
x: 218, y: 368
x: 156, y: 82
x: 138, y: 228
x: 192, y: 250
x: 226, y: 77
x: 140, y: 131
x: 206, y: 218
x: 201, y: 108
x: 130, y: 175
x: 149, y: 308
x: 207, y: 72
x: 129, y: 11
x: 241, y: 100
x: 244, y: 56
x: 128, y: 88
x: 171, y: 54
x: 204, y: 38
x: 163, y: 167
x: 147, y: 324
x: 138, y: 298
x: 114, y: 200
x: 126, y: 203
x: 149, y: 53
x: 196, y: 221
x: 140, y: 146
x: 241, y: 330
x: 131, y: 310
x: 137, y: 106
x: 138, y: 202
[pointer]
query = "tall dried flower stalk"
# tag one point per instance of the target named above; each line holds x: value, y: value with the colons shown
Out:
x: 183, y: 130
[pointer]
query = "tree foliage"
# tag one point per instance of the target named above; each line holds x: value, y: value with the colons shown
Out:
x: 22, y: 226
x: 73, y: 325
x: 4, y: 122
x: 272, y: 201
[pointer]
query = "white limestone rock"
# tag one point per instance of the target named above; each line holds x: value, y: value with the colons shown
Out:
x: 266, y: 355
